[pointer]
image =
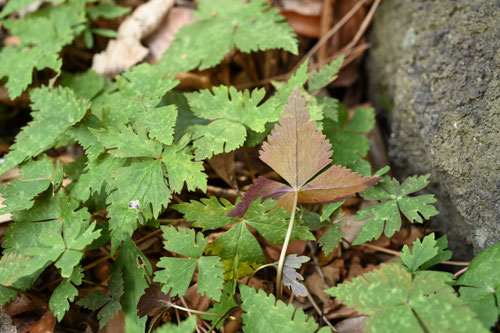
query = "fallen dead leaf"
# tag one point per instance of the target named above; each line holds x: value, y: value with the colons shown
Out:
x: 223, y: 165
x: 159, y: 41
x: 45, y: 324
x: 351, y: 325
x: 126, y: 50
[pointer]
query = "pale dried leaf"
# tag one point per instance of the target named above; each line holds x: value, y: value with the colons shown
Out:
x: 126, y: 50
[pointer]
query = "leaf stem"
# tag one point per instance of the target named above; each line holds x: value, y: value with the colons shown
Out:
x: 194, y: 311
x: 281, y: 263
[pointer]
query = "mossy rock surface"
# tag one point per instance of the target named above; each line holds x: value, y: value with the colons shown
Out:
x: 435, y: 71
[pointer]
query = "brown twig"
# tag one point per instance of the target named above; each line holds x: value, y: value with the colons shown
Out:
x: 330, y: 33
x: 396, y: 254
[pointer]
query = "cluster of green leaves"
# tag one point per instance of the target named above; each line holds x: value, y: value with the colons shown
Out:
x: 43, y: 33
x: 144, y: 143
x: 408, y: 297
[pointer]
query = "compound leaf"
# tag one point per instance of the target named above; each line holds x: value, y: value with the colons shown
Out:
x: 208, y: 213
x: 272, y: 223
x: 324, y: 75
x: 61, y: 297
x: 210, y: 277
x: 393, y: 299
x: 385, y: 216
x: 264, y: 313
x: 422, y: 252
x: 348, y: 138
x: 223, y: 24
x: 297, y: 151
x: 184, y: 241
x: 54, y: 111
x: 35, y: 177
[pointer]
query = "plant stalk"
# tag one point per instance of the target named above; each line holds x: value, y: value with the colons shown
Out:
x: 281, y: 263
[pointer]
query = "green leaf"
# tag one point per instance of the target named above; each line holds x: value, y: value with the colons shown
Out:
x: 480, y: 285
x: 264, y: 313
x: 324, y: 75
x: 328, y: 209
x: 208, y: 213
x: 186, y: 326
x: 272, y: 223
x: 124, y: 141
x: 94, y: 301
x: 97, y: 173
x: 182, y: 169
x: 43, y: 241
x: 134, y: 277
x: 223, y: 24
x: 108, y: 311
x: 42, y: 36
x: 385, y: 216
x: 18, y: 64
x: 442, y: 255
x: 396, y: 302
x: 237, y: 247
x: 61, y: 297
x: 142, y: 182
x: 230, y: 109
x: 184, y: 241
x: 160, y: 123
x: 210, y: 277
x: 35, y: 177
x: 107, y: 10
x: 348, y: 139
x: 422, y: 252
x: 81, y: 133
x: 218, y: 137
x: 85, y: 84
x: 178, y: 272
x: 115, y: 284
x: 54, y: 111
x: 331, y: 238
x: 227, y: 103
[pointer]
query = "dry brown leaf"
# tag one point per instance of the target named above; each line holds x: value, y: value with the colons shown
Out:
x: 160, y: 40
x: 223, y: 165
x: 45, y: 324
x: 357, y: 269
x: 351, y: 325
x: 126, y: 50
x: 20, y: 305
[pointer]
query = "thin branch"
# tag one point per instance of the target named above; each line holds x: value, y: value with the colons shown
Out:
x: 396, y: 254
x: 318, y: 310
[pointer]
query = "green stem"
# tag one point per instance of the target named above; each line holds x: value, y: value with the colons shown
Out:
x: 281, y: 263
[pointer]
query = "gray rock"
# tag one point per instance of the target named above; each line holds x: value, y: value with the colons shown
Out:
x: 434, y: 70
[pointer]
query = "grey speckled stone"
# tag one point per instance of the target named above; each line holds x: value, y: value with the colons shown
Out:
x: 434, y: 70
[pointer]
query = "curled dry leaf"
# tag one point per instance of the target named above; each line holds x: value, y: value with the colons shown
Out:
x: 297, y: 151
x: 290, y: 276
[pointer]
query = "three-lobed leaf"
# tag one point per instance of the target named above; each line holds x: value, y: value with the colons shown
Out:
x: 385, y: 216
x: 264, y: 313
x: 298, y: 152
x: 391, y: 297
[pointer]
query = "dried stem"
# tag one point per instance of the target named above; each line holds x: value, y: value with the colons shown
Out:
x: 281, y: 263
